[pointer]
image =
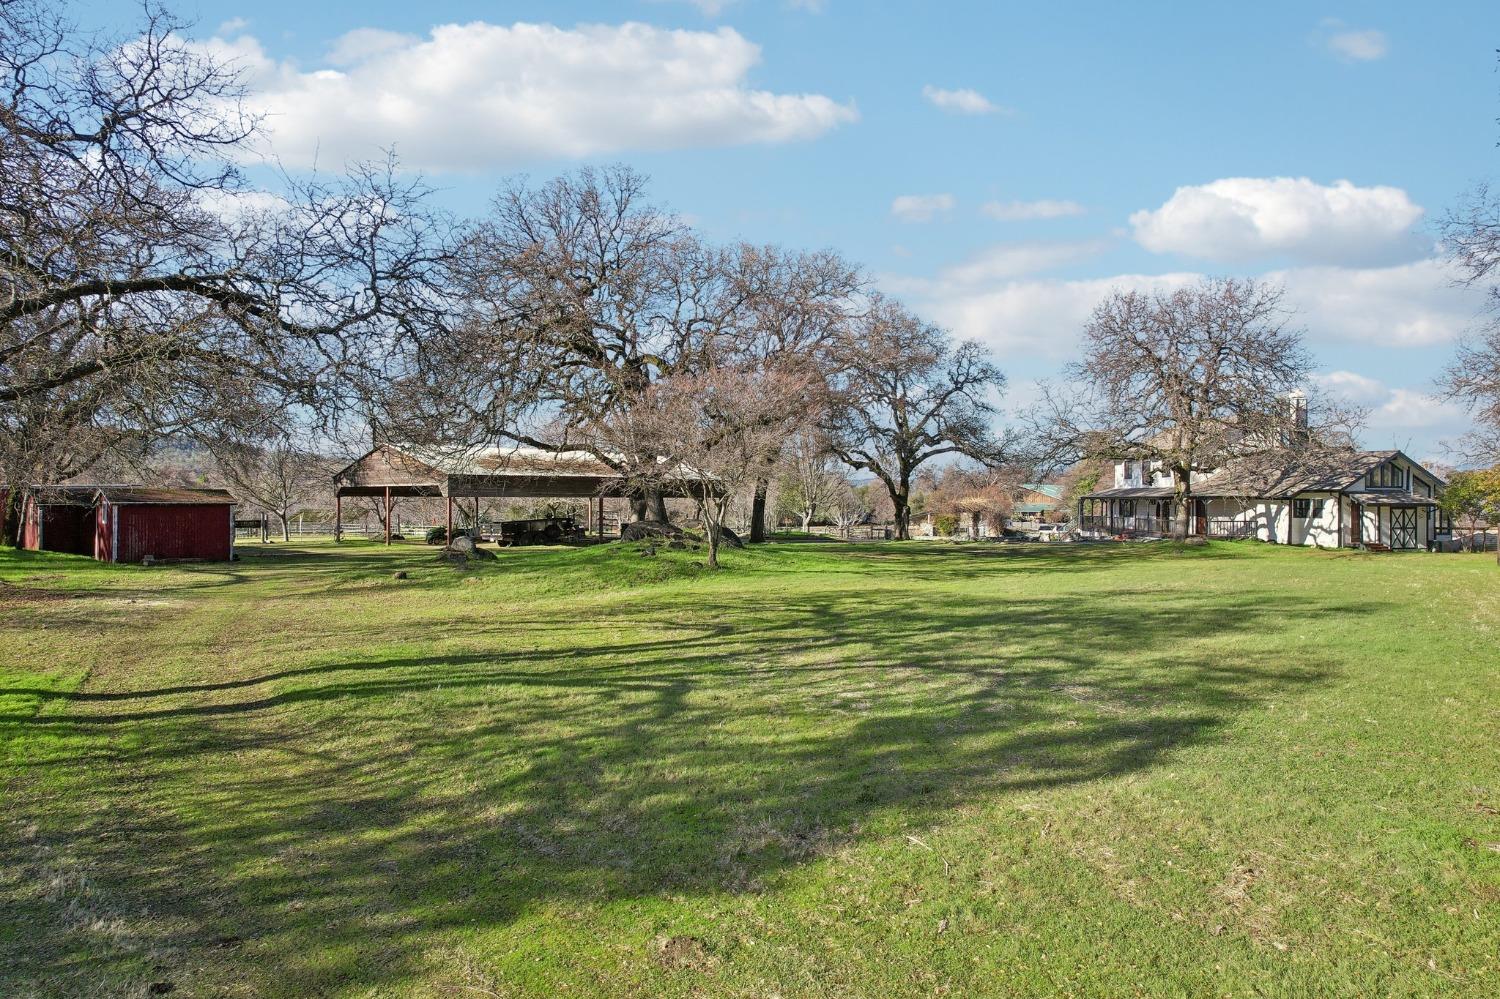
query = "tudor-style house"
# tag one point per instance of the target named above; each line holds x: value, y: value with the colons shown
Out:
x: 1379, y: 500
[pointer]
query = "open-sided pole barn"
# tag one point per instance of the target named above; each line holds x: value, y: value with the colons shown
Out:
x: 388, y: 473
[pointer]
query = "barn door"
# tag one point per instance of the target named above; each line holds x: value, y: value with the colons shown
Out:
x: 1200, y: 513
x: 1403, y: 527
x: 1356, y: 523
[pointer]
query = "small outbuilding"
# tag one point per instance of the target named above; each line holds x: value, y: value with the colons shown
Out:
x: 58, y: 519
x: 130, y: 523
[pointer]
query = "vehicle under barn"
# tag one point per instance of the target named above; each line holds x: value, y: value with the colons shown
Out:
x: 388, y: 473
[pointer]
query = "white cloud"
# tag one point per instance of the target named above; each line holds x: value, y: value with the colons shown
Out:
x: 1353, y: 387
x: 1244, y: 218
x: 1013, y: 211
x: 998, y: 297
x: 478, y: 96
x: 233, y: 26
x: 365, y: 43
x: 961, y: 101
x: 1395, y: 414
x: 921, y: 207
x: 1038, y: 318
x: 1012, y: 260
x: 239, y: 206
x: 1411, y: 305
x: 1413, y: 409
x: 1354, y: 44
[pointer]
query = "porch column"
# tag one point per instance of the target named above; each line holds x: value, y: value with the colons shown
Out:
x: 338, y: 516
x: 448, y: 538
x: 387, y: 514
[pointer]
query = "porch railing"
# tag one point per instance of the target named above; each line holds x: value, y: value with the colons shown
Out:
x: 1230, y: 527
x: 1160, y: 527
x: 1132, y: 527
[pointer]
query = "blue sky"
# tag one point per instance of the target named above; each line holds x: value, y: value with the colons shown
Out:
x: 1000, y: 166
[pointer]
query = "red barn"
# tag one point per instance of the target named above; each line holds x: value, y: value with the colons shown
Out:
x: 132, y: 522
x: 128, y: 523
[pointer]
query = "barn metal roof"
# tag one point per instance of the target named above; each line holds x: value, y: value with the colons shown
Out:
x: 161, y: 495
x: 56, y: 495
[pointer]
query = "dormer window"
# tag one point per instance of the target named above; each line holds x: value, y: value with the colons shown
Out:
x: 1387, y: 476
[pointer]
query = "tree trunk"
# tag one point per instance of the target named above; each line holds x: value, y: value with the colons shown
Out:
x: 758, y: 510
x: 903, y: 516
x: 806, y: 521
x: 713, y: 546
x: 286, y: 526
x: 10, y: 518
x: 657, y: 507
x: 1182, y: 503
x: 974, y: 531
x: 637, y: 508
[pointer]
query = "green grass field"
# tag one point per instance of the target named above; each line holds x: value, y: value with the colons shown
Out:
x: 879, y: 770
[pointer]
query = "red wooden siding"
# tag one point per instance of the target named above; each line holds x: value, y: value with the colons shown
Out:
x: 168, y: 531
x: 30, y: 535
x: 102, y: 533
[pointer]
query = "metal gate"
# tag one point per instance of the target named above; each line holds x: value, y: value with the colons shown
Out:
x: 1403, y: 527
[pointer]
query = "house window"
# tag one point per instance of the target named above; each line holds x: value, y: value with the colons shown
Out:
x: 1307, y: 508
x: 1130, y: 472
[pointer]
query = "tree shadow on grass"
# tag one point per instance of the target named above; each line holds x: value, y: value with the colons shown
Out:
x: 324, y: 827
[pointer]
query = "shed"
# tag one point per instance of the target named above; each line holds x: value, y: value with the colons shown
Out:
x: 132, y: 522
x: 58, y: 519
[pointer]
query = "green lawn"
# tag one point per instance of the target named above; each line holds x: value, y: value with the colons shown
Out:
x: 876, y: 770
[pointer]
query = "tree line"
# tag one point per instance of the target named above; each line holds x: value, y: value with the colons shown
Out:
x: 148, y: 293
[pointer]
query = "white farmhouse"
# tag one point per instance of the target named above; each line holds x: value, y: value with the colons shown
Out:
x: 1379, y: 500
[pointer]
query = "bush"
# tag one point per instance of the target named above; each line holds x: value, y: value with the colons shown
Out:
x: 439, y: 535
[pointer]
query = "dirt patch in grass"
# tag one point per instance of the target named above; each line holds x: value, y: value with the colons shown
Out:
x: 11, y: 594
x: 678, y: 953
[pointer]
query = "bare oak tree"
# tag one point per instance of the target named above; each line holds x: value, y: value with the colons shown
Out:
x: 579, y: 294
x: 906, y: 395
x: 138, y: 281
x: 1472, y: 234
x: 810, y: 479
x: 715, y: 429
x: 278, y: 471
x: 1189, y: 379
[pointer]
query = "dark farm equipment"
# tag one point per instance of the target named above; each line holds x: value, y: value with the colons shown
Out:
x: 537, y: 531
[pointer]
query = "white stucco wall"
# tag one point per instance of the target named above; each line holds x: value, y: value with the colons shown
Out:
x: 1320, y: 531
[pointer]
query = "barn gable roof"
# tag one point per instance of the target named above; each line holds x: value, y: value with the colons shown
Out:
x: 161, y: 495
x: 56, y: 495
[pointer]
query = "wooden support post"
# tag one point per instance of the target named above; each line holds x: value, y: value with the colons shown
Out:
x: 338, y: 517
x: 448, y: 538
x: 601, y: 518
x: 387, y: 514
